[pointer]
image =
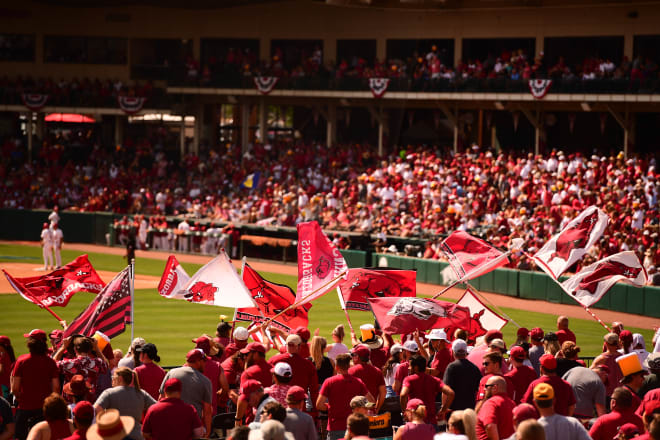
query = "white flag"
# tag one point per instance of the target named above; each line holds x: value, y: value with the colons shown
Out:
x: 590, y: 284
x: 572, y: 243
x: 482, y: 318
x: 174, y: 279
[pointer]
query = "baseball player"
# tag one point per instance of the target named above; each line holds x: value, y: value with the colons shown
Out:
x: 58, y: 237
x: 47, y: 246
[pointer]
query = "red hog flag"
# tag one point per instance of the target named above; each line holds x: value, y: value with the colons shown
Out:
x: 361, y: 284
x: 109, y: 312
x: 320, y: 264
x: 471, y: 257
x: 172, y: 283
x: 572, y: 243
x: 407, y: 314
x: 57, y: 287
x: 590, y: 284
x: 271, y: 298
x: 482, y: 318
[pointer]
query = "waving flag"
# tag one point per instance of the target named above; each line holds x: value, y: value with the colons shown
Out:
x: 590, y: 284
x: 271, y: 298
x: 572, y: 243
x: 320, y: 264
x: 57, y: 287
x: 109, y: 312
x: 257, y: 336
x: 251, y: 180
x: 217, y: 284
x: 471, y: 257
x: 407, y: 314
x: 482, y: 318
x: 361, y: 284
x: 174, y: 280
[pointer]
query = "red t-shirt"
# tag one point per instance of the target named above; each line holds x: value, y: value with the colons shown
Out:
x: 232, y: 373
x: 607, y: 425
x: 171, y: 418
x: 212, y: 370
x: 402, y: 371
x: 303, y: 351
x: 150, y: 377
x: 425, y: 387
x: 260, y: 372
x: 77, y: 435
x: 370, y: 375
x: 564, y: 395
x: 379, y: 357
x: 339, y: 390
x: 440, y: 361
x: 304, y: 372
x: 521, y: 377
x: 565, y: 335
x: 498, y: 410
x: 37, y: 374
x: 6, y: 364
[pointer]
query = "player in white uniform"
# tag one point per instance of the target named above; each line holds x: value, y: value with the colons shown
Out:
x: 184, y: 229
x: 58, y: 237
x: 54, y: 216
x: 47, y: 246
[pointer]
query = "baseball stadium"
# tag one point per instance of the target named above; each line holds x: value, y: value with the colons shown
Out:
x: 327, y: 219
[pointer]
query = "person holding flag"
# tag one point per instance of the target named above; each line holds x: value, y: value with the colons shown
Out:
x: 84, y: 364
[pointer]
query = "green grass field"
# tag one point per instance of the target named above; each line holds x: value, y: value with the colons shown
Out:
x: 171, y: 324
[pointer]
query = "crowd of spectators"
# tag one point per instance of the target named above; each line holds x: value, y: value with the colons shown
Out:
x: 419, y: 191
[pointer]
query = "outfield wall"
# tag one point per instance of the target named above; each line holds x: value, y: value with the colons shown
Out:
x: 79, y: 227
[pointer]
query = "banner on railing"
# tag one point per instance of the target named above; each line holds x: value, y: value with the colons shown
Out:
x: 539, y: 87
x: 378, y: 86
x: 34, y: 101
x: 265, y: 84
x: 131, y: 104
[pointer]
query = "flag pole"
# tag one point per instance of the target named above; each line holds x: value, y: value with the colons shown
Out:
x: 132, y: 272
x: 342, y: 304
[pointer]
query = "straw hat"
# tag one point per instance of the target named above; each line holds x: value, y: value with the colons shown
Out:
x: 110, y: 426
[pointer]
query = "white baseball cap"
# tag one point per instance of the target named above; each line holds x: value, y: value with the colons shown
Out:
x: 282, y: 369
x: 437, y: 333
x: 396, y: 348
x: 411, y: 346
x: 459, y: 345
x: 241, y: 333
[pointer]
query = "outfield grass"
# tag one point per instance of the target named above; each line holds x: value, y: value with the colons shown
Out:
x: 171, y: 324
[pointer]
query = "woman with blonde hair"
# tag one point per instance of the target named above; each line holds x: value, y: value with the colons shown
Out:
x: 325, y: 367
x: 127, y: 397
x: 415, y: 428
x: 551, y: 344
x: 461, y: 426
x: 337, y: 347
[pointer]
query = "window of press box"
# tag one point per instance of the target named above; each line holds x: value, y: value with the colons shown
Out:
x: 85, y: 50
x: 17, y: 47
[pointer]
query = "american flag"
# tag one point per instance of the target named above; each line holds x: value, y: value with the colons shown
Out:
x: 109, y: 312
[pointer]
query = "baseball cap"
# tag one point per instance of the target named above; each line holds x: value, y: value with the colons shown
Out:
x: 293, y: 339
x: 241, y: 333
x: 250, y: 386
x: 4, y: 340
x: 459, y: 346
x: 36, y: 334
x: 361, y: 402
x: 517, y: 353
x: 254, y: 346
x: 149, y: 349
x: 492, y: 334
x: 611, y: 339
x: 551, y: 336
x: 544, y: 391
x: 522, y: 332
x: 497, y: 342
x: 396, y: 348
x: 548, y: 361
x: 413, y: 404
x: 438, y: 334
x: 411, y: 346
x: 650, y: 406
x: 536, y: 334
x: 360, y: 350
x: 173, y: 385
x: 195, y: 355
x: 627, y: 429
x: 84, y: 410
x: 303, y: 332
x: 653, y: 361
x: 56, y: 334
x: 296, y: 393
x: 524, y: 411
x: 282, y: 369
x: 203, y: 343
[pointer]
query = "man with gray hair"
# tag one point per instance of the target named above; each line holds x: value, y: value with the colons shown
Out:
x: 462, y: 376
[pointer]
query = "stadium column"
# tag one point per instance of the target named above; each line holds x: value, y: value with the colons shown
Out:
x: 263, y: 128
x: 245, y: 126
x: 29, y: 129
x: 197, y: 131
x: 458, y: 50
x: 331, y: 121
x: 119, y: 129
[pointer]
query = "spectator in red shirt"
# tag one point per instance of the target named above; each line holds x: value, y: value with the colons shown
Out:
x: 304, y: 371
x: 172, y: 418
x: 492, y: 364
x: 563, y: 332
x: 442, y: 358
x: 367, y: 373
x: 420, y: 385
x: 563, y: 391
x: 410, y: 348
x: 495, y: 418
x: 213, y: 371
x: 336, y: 394
x: 415, y: 428
x: 606, y: 425
x: 521, y: 375
x: 240, y: 341
x: 256, y: 366
x: 34, y: 377
x: 149, y: 373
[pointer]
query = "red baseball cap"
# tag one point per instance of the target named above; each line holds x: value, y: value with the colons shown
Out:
x: 253, y: 346
x: 303, y: 332
x: 296, y: 394
x: 492, y: 334
x: 522, y: 332
x: 173, y: 385
x: 360, y: 351
x: 249, y: 387
x: 203, y: 343
x: 83, y: 410
x: 56, y: 334
x: 650, y: 406
x: 537, y: 334
x: 195, y: 355
x: 627, y: 429
x: 548, y: 361
x: 36, y: 334
x: 413, y: 404
x: 517, y: 352
x: 525, y: 411
x: 4, y: 340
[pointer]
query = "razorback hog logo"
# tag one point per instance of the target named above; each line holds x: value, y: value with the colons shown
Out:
x: 375, y: 285
x: 322, y: 268
x: 267, y: 299
x: 475, y: 329
x: 575, y: 237
x: 420, y: 308
x: 201, y: 292
x: 605, y: 270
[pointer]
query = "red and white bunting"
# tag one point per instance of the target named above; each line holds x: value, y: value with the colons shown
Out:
x: 34, y: 101
x: 539, y: 87
x: 131, y: 104
x: 265, y: 84
x: 378, y: 86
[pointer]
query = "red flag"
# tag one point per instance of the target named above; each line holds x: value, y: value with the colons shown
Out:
x: 320, y: 264
x: 572, y: 243
x: 109, y: 312
x: 375, y: 283
x: 590, y: 284
x: 471, y: 257
x: 271, y: 298
x: 405, y: 315
x: 174, y: 279
x: 57, y: 287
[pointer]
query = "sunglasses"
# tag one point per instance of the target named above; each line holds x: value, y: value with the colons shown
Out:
x: 485, y: 364
x: 490, y: 385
